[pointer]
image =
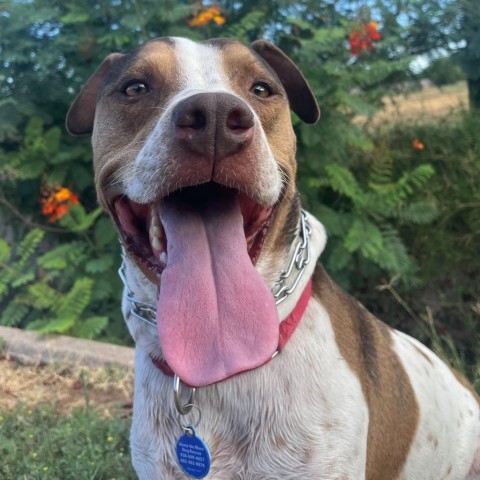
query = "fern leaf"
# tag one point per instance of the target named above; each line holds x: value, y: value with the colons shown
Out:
x: 366, y: 237
x: 42, y: 296
x: 394, y: 257
x: 5, y: 250
x: 416, y: 212
x: 28, y: 246
x: 23, y: 279
x: 90, y: 328
x: 67, y: 254
x: 13, y: 314
x: 343, y: 181
x: 57, y: 325
x: 77, y: 220
x: 74, y: 302
x: 248, y: 23
x: 99, y: 265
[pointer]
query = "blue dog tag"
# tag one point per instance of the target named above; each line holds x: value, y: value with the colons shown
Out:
x: 193, y: 455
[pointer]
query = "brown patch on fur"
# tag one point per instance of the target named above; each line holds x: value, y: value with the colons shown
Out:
x: 366, y: 344
x: 125, y: 124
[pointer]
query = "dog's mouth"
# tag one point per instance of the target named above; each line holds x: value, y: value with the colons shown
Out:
x: 143, y: 232
x: 216, y: 316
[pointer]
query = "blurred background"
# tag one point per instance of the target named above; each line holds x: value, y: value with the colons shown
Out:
x: 392, y: 169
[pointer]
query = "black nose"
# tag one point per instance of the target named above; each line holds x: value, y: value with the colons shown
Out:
x: 214, y: 125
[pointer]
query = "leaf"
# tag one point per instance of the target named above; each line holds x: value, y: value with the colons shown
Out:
x: 5, y: 250
x: 90, y: 328
x: 75, y: 301
x: 343, y: 181
x: 417, y: 212
x: 74, y: 17
x: 29, y: 244
x: 13, y: 314
x: 77, y: 220
x: 66, y: 254
x: 23, y: 279
x: 58, y: 325
x: 364, y: 236
x: 43, y: 296
x: 99, y: 265
x: 105, y: 232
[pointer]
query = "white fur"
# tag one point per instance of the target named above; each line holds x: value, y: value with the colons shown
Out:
x: 445, y: 440
x: 289, y: 426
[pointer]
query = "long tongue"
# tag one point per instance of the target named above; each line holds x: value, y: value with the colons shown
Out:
x: 216, y: 316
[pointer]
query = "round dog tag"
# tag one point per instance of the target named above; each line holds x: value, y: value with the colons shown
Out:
x: 193, y: 455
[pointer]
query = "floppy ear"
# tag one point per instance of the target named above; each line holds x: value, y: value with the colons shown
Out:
x: 300, y: 96
x: 80, y: 117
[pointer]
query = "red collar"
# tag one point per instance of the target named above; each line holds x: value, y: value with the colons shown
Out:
x: 287, y: 327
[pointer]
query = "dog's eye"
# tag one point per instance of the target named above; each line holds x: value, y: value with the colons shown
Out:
x: 261, y: 90
x: 136, y: 89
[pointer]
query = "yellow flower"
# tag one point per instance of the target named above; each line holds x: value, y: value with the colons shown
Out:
x: 205, y: 16
x: 110, y: 439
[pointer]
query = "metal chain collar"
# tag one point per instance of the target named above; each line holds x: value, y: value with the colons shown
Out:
x: 281, y: 290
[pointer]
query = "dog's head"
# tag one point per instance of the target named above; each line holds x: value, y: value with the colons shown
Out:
x: 194, y: 157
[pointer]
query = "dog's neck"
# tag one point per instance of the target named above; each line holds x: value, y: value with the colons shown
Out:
x: 269, y: 266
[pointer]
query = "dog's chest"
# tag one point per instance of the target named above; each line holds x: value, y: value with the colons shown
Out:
x: 271, y: 423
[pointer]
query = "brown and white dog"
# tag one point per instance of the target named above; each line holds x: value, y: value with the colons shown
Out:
x: 194, y: 157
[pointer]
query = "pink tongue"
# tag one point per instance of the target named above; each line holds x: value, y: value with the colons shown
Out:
x: 216, y: 316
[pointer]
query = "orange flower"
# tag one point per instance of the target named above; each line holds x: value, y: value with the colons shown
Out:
x: 362, y: 38
x: 205, y: 16
x: 417, y: 144
x: 56, y: 202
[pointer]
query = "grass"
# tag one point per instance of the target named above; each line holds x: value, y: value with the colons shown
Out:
x: 60, y: 423
x: 41, y: 443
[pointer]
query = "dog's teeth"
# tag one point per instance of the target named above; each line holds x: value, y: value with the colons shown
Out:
x: 154, y: 218
x: 163, y: 258
x: 156, y: 245
x: 154, y: 231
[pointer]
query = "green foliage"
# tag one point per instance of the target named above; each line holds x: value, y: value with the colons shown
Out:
x: 39, y: 443
x: 371, y: 190
x: 447, y: 249
x: 443, y: 71
x: 57, y: 291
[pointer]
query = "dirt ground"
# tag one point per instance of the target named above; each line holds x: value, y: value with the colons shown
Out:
x: 68, y: 387
x: 422, y: 105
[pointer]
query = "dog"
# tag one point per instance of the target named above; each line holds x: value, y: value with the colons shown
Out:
x: 194, y: 159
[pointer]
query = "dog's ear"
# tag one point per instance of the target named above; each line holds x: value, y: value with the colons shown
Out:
x: 302, y: 101
x: 80, y: 117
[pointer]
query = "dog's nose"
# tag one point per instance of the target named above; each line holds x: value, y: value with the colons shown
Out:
x: 214, y: 125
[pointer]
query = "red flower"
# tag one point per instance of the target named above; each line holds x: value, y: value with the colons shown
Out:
x: 56, y: 202
x: 417, y: 144
x: 362, y: 38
